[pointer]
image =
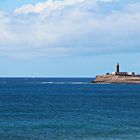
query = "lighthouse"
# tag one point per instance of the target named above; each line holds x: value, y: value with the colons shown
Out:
x: 117, y: 68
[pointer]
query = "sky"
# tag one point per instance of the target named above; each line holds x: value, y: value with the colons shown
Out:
x: 68, y: 38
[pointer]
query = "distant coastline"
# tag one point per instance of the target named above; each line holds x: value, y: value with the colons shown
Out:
x: 118, y: 77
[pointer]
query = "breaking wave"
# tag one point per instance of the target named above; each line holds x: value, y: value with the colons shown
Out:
x: 62, y: 83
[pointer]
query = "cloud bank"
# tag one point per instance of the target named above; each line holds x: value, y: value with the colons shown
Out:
x: 67, y: 28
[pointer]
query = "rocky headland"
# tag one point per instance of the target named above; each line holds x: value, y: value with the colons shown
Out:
x: 117, y: 79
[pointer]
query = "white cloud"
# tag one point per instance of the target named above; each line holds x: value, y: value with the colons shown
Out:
x: 6, y: 35
x: 49, y: 6
x: 69, y: 28
x: 108, y: 0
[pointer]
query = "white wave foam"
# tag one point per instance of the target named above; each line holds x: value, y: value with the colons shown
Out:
x: 62, y: 83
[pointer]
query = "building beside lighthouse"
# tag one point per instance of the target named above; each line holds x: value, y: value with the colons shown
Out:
x: 118, y: 72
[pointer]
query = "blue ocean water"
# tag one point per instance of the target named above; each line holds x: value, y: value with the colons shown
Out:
x: 68, y: 109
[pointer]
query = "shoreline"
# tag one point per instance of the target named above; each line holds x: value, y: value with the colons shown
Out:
x: 116, y: 79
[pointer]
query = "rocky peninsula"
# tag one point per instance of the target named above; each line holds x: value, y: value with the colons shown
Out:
x: 118, y: 77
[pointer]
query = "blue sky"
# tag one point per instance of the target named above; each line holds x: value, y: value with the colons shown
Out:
x: 68, y: 38
x: 10, y: 5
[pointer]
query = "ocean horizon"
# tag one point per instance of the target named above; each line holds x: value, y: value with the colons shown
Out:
x: 68, y: 109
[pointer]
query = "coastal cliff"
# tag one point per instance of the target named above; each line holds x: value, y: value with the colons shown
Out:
x: 117, y: 79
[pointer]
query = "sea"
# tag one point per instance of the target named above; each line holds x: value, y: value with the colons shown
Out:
x: 68, y: 109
